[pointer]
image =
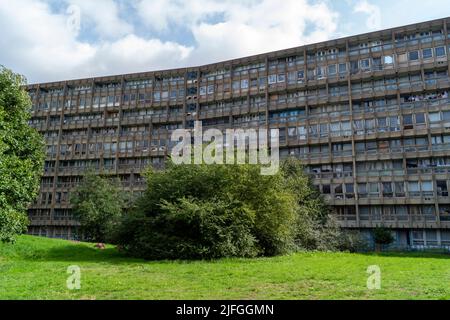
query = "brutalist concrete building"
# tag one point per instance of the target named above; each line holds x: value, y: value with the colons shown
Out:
x: 368, y: 115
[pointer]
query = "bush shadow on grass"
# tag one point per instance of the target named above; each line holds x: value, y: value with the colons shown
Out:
x: 78, y: 253
x: 85, y: 253
x: 88, y: 253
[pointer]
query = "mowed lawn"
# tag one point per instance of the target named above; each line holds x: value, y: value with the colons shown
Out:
x: 36, y: 268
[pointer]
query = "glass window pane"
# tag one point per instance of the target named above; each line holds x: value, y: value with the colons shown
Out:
x: 420, y: 118
x: 427, y: 186
x: 414, y: 55
x: 332, y: 69
x: 434, y: 116
x: 413, y: 186
x: 440, y: 52
x: 427, y: 53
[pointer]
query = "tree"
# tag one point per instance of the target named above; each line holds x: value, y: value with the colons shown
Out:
x: 212, y: 211
x: 382, y: 236
x: 316, y: 227
x: 21, y: 156
x: 97, y: 203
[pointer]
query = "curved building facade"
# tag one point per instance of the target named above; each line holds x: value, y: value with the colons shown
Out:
x: 369, y: 115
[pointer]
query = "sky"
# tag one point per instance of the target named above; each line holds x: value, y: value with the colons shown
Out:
x: 53, y: 40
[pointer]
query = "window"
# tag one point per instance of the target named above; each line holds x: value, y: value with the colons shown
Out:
x: 302, y: 133
x: 292, y: 77
x: 437, y: 140
x: 399, y: 189
x: 420, y: 118
x: 244, y: 84
x: 431, y: 236
x: 427, y: 186
x: 335, y: 129
x: 342, y: 68
x: 434, y: 117
x: 414, y: 56
x: 418, y: 237
x: 394, y: 123
x: 442, y: 188
x: 371, y: 146
x: 262, y: 82
x: 110, y: 101
x: 446, y: 115
x: 373, y: 188
x: 320, y: 72
x: 365, y: 64
x: 332, y: 69
x: 349, y: 188
x: 346, y: 127
x: 407, y: 122
x: 281, y: 77
x: 388, y: 60
x: 427, y: 53
x: 445, y: 237
x: 382, y: 124
x: 272, y: 78
x: 338, y: 189
x: 292, y: 132
x: 440, y: 51
x: 413, y: 186
x: 421, y: 141
x: 387, y: 189
x: 359, y: 127
x: 323, y: 129
x: 362, y: 188
x: 354, y: 67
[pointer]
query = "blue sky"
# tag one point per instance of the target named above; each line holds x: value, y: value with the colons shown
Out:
x: 50, y: 40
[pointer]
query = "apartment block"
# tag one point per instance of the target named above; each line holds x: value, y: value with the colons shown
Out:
x: 368, y: 115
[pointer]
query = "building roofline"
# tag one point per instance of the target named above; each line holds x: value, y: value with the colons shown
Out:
x: 246, y: 59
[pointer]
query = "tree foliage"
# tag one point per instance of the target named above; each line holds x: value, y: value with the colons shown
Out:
x: 382, y: 236
x: 212, y: 211
x: 97, y: 204
x: 21, y: 156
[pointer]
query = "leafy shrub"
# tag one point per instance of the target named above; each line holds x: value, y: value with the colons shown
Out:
x: 382, y: 236
x: 212, y: 211
x: 352, y: 241
x: 209, y: 211
x: 97, y: 203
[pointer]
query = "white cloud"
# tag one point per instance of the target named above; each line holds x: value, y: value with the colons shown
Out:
x: 160, y: 14
x: 373, y: 21
x: 104, y: 16
x: 244, y: 27
x: 38, y: 43
x: 134, y: 54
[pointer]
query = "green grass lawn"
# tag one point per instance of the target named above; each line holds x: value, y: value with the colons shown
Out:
x: 36, y: 268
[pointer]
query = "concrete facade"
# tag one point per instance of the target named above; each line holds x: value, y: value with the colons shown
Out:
x: 369, y: 115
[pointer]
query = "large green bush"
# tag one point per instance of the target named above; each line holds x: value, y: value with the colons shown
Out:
x: 212, y: 211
